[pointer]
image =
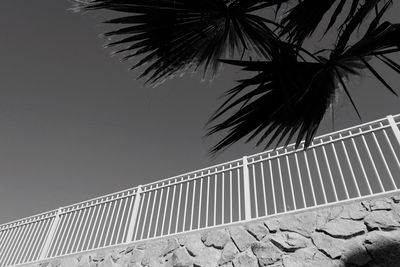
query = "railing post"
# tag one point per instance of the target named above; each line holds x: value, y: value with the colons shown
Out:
x: 246, y: 188
x: 50, y: 235
x: 135, y: 210
x: 394, y: 127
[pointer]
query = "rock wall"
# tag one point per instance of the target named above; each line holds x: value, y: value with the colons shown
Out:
x: 363, y: 233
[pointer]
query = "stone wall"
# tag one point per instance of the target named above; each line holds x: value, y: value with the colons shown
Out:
x: 363, y: 233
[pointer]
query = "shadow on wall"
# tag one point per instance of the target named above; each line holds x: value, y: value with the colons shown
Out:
x: 383, y: 250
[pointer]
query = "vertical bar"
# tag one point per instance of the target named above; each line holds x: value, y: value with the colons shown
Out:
x: 230, y: 193
x: 159, y: 209
x: 361, y: 164
x: 330, y: 174
x: 200, y: 200
x: 122, y: 219
x: 319, y: 172
x: 223, y: 197
x: 172, y: 208
x: 165, y: 209
x: 215, y: 199
x: 179, y: 206
x: 263, y: 184
x: 255, y: 188
x: 239, y: 192
x: 114, y: 204
x: 309, y: 177
x: 272, y: 185
x: 136, y: 231
x: 340, y: 168
x: 186, y: 200
x: 280, y: 179
x: 152, y: 210
x: 300, y: 180
x: 350, y: 166
x: 291, y: 181
x: 135, y: 209
x: 246, y: 188
x: 50, y: 235
x: 146, y: 212
x: 116, y: 217
x: 208, y: 197
x: 193, y: 198
x: 394, y: 127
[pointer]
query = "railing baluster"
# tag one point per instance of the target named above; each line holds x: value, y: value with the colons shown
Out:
x: 50, y: 235
x: 134, y: 214
x: 300, y: 181
x: 152, y: 211
x: 350, y: 165
x: 309, y: 178
x: 320, y: 176
x: 361, y: 164
x: 340, y: 169
x: 179, y: 208
x: 165, y: 209
x: 255, y: 189
x: 246, y: 188
x: 272, y: 185
x: 193, y: 199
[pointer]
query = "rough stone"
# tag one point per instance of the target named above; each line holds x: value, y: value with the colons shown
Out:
x: 209, y: 257
x: 258, y: 230
x: 266, y: 253
x: 343, y: 228
x: 303, y: 224
x: 228, y: 253
x: 329, y: 245
x: 384, y: 247
x: 245, y: 259
x: 307, y: 257
x: 181, y: 258
x: 288, y: 241
x: 380, y: 204
x: 216, y: 238
x: 193, y: 244
x: 241, y: 237
x: 381, y: 219
x: 354, y: 211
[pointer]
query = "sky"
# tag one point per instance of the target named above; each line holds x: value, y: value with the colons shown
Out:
x: 75, y: 124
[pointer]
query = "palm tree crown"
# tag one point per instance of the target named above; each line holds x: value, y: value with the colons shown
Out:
x: 291, y: 88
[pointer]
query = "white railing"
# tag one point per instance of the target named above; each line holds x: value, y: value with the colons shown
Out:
x: 349, y: 164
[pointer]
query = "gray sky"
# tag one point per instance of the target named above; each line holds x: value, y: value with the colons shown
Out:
x: 74, y: 123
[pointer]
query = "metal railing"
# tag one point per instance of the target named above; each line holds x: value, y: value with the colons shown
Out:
x: 349, y: 164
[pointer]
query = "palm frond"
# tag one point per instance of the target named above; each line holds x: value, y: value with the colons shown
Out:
x: 173, y: 35
x: 304, y: 18
x: 289, y: 95
x: 285, y: 97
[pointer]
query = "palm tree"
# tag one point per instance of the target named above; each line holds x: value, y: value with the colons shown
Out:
x: 291, y: 87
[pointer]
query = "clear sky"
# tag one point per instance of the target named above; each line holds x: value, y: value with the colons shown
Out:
x: 75, y: 124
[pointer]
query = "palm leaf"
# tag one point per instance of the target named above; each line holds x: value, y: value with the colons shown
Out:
x: 173, y: 35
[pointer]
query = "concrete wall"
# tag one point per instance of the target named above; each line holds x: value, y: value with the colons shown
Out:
x: 363, y: 233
